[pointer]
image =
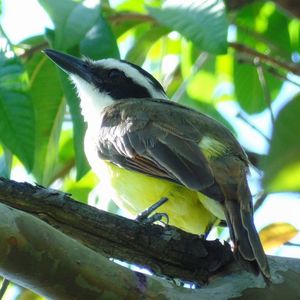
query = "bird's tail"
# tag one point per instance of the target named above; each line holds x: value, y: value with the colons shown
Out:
x: 239, y: 214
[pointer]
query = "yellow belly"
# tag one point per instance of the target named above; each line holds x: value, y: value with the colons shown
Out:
x: 134, y: 192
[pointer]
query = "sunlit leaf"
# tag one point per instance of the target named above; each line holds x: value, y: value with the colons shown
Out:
x: 99, y: 42
x: 49, y: 107
x: 72, y: 20
x: 204, y: 22
x: 142, y: 45
x: 277, y: 34
x: 248, y: 87
x: 282, y: 164
x: 66, y: 156
x: 276, y: 234
x: 294, y: 31
x: 224, y: 67
x: 202, y: 86
x: 16, y: 111
x: 79, y: 126
x: 131, y: 5
x: 121, y: 26
x: 81, y: 189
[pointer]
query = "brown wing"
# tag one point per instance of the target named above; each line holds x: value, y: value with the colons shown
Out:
x: 141, y: 135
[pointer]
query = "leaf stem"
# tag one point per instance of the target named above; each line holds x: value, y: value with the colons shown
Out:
x: 243, y: 118
x: 265, y: 88
x: 202, y: 58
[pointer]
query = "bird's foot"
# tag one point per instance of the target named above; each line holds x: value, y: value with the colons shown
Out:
x: 144, y: 216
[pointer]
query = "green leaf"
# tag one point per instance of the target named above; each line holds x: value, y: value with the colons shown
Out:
x: 277, y: 34
x: 16, y: 111
x: 5, y: 163
x: 131, y: 5
x: 205, y: 108
x: 282, y: 164
x: 49, y: 107
x: 79, y: 127
x: 80, y: 189
x: 202, y: 86
x: 248, y: 88
x: 138, y: 52
x: 66, y: 156
x: 72, y: 20
x: 100, y: 42
x: 120, y: 27
x: 202, y: 21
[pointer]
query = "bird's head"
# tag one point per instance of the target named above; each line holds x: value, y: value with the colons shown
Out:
x: 101, y: 83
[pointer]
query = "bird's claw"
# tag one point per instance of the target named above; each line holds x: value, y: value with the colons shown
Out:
x: 144, y: 216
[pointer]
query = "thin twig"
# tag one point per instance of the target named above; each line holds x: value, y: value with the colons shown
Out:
x: 258, y: 37
x: 266, y: 58
x: 240, y: 116
x: 32, y: 50
x: 202, y: 58
x: 265, y: 88
x: 9, y: 43
x: 4, y: 286
x: 282, y: 77
x: 292, y: 244
x: 130, y: 16
x: 260, y: 201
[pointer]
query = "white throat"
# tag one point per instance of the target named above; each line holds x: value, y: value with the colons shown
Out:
x: 92, y: 101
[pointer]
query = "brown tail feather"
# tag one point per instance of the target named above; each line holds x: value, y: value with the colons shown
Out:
x: 248, y: 248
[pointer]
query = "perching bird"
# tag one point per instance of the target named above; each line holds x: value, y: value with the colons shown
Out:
x: 145, y: 147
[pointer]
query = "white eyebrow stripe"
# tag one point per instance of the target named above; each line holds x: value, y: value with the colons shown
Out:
x: 132, y: 73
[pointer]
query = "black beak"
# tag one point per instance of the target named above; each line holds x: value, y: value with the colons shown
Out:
x: 70, y: 64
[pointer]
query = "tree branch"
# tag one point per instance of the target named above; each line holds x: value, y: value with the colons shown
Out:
x: 39, y: 257
x: 291, y: 67
x: 168, y: 251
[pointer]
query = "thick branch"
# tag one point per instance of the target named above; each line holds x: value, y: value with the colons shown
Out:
x: 168, y: 251
x: 41, y: 258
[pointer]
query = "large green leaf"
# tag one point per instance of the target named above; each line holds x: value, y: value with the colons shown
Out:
x: 142, y: 44
x: 17, y: 120
x: 49, y: 107
x: 277, y: 34
x: 282, y: 164
x: 202, y: 21
x: 100, y: 42
x: 79, y: 127
x: 248, y: 88
x: 119, y: 27
x: 72, y: 20
x: 78, y: 27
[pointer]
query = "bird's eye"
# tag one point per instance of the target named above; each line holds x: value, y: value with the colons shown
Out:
x: 114, y: 74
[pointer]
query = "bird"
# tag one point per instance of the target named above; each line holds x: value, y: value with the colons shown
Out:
x: 145, y: 147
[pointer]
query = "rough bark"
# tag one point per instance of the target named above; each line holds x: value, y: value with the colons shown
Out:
x: 164, y: 250
x: 40, y: 257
